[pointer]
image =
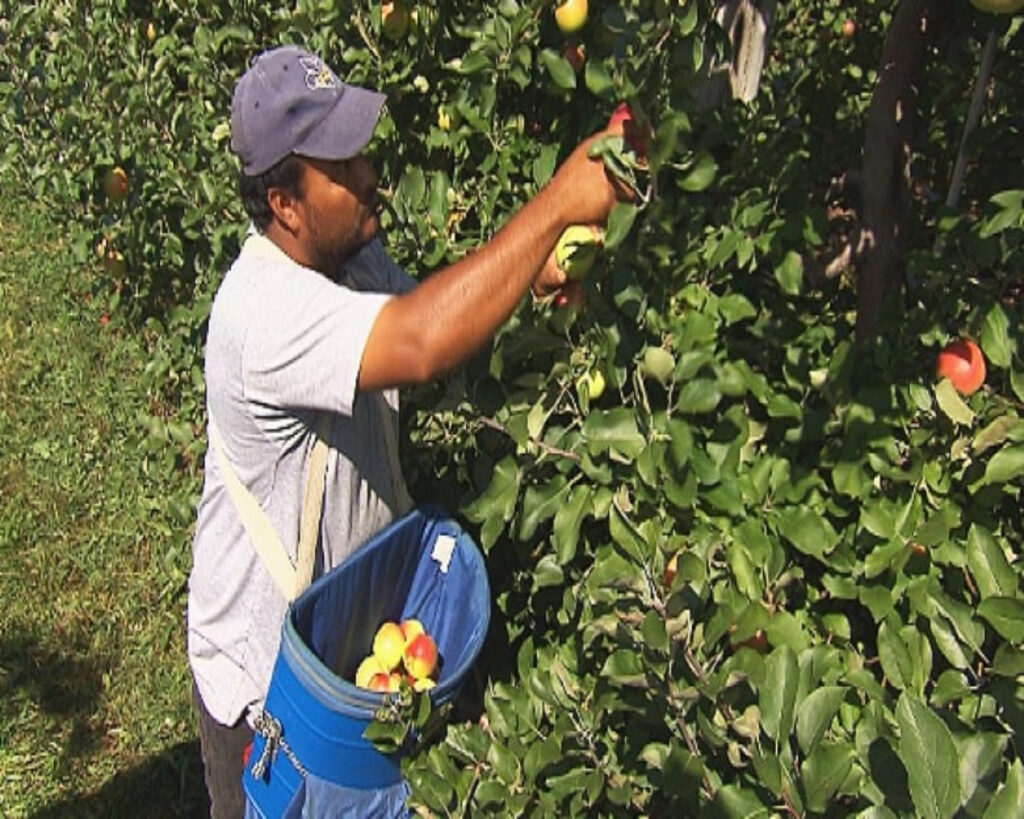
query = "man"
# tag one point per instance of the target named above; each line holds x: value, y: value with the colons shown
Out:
x: 314, y: 321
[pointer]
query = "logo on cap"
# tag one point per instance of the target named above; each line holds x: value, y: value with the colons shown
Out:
x: 318, y: 75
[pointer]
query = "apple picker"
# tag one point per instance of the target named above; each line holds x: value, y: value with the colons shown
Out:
x: 304, y: 542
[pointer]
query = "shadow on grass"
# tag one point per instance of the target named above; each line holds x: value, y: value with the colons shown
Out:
x: 64, y: 685
x: 168, y: 786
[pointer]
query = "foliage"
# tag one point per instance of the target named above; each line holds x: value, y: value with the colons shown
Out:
x: 842, y: 632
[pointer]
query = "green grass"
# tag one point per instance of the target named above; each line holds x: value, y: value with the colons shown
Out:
x: 96, y: 713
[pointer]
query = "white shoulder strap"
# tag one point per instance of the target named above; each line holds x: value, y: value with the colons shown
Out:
x: 403, y: 500
x: 293, y: 580
x: 290, y: 580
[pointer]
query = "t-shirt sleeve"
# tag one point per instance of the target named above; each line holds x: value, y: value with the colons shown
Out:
x: 371, y: 269
x: 304, y: 352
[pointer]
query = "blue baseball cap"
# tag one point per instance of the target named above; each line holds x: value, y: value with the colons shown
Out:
x: 290, y: 102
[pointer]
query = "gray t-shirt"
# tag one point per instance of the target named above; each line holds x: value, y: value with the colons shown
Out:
x: 284, y: 345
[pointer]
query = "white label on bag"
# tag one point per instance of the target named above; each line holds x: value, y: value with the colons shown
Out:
x: 442, y: 553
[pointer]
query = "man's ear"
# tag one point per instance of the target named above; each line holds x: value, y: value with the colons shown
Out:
x: 283, y: 204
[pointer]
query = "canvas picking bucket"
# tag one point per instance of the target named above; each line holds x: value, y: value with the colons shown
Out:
x: 309, y: 757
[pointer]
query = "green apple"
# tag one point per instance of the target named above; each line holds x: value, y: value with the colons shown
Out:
x: 577, y: 249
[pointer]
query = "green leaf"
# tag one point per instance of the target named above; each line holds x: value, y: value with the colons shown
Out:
x: 701, y: 173
x: 996, y: 433
x: 815, y: 713
x: 547, y: 573
x: 995, y: 337
x: 540, y: 504
x: 615, y: 430
x: 625, y: 667
x: 654, y: 632
x: 1006, y: 614
x: 568, y: 519
x: 625, y: 534
x: 734, y: 802
x: 1009, y: 799
x: 597, y: 79
x: 499, y: 499
x: 620, y: 222
x: 905, y: 656
x: 810, y: 532
x: 1005, y: 465
x: 929, y: 754
x: 613, y: 570
x: 699, y: 395
x: 777, y: 694
x: 823, y: 772
x: 789, y: 273
x: 559, y: 69
x: 951, y: 404
x: 989, y: 567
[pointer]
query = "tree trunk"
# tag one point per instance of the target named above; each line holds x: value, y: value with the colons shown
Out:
x: 891, y: 123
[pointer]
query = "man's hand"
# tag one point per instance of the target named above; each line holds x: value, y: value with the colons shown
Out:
x: 552, y: 281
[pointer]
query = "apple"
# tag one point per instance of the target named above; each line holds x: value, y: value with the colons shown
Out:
x: 411, y: 628
x: 637, y: 138
x: 658, y: 363
x: 388, y: 644
x: 574, y: 55
x: 962, y: 362
x: 394, y: 19
x: 576, y: 249
x: 115, y: 184
x: 421, y: 656
x: 849, y: 28
x: 385, y: 683
x: 150, y: 31
x: 369, y: 667
x: 571, y: 15
x: 998, y: 6
x: 592, y: 384
x: 670, y: 571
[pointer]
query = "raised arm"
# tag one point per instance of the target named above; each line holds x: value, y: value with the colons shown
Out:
x: 430, y: 330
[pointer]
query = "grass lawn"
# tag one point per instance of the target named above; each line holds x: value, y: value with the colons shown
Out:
x: 94, y: 686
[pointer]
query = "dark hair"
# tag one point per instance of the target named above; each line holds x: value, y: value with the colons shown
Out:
x: 286, y: 174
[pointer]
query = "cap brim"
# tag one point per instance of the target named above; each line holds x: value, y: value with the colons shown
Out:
x: 347, y: 129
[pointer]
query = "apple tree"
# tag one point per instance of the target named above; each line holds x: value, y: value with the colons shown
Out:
x: 773, y: 565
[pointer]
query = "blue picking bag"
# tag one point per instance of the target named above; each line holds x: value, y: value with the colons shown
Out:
x: 309, y: 757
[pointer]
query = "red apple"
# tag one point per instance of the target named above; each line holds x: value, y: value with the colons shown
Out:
x: 574, y: 55
x: 115, y: 184
x: 385, y: 683
x: 962, y: 362
x: 421, y: 656
x: 639, y: 139
x: 849, y: 28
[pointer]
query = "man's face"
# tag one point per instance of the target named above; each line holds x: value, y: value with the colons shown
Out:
x: 339, y: 208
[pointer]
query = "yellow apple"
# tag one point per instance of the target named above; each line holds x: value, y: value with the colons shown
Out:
x: 367, y: 669
x: 571, y: 15
x: 388, y: 644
